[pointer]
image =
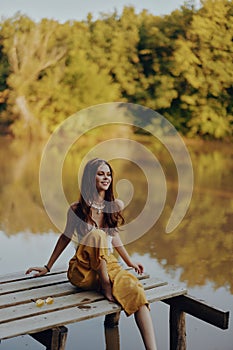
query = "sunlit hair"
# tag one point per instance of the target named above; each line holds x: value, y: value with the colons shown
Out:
x: 88, y: 191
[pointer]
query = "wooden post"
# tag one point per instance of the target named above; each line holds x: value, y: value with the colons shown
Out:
x: 52, y: 339
x: 112, y: 320
x: 177, y: 329
x: 63, y: 337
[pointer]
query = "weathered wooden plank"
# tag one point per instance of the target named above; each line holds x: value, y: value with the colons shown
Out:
x: 43, y: 292
x: 57, y: 318
x: 28, y: 295
x: 31, y: 283
x: 46, y: 280
x: 201, y: 310
x: 177, y: 329
x: 17, y: 276
x: 151, y: 282
x: 60, y: 302
x: 75, y: 314
x: 20, y: 275
x: 140, y: 277
x: 164, y: 292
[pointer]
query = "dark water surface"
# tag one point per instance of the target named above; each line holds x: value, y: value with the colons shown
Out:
x: 197, y: 255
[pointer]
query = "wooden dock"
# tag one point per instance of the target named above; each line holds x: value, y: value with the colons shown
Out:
x: 20, y: 315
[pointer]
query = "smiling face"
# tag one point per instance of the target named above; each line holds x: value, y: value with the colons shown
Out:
x: 103, y: 177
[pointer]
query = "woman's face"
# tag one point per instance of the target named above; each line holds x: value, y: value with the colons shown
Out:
x: 103, y: 177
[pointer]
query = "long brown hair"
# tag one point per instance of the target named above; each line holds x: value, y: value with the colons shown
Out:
x: 112, y: 215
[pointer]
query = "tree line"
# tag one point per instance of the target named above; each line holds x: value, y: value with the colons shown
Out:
x: 180, y: 65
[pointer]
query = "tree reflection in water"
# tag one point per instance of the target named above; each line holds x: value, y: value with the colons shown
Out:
x: 201, y: 245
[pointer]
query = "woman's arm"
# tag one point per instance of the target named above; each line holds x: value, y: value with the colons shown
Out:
x: 118, y: 245
x: 62, y: 243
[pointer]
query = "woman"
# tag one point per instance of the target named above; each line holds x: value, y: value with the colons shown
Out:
x: 96, y: 218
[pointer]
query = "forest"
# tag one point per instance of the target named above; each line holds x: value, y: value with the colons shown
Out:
x: 180, y: 65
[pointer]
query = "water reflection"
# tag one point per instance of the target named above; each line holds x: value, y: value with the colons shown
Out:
x: 21, y: 207
x: 112, y: 338
x: 202, y: 244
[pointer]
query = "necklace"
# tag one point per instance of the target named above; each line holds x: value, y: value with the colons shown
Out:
x: 98, y: 206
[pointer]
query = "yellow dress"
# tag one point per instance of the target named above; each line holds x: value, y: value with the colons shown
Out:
x: 82, y: 272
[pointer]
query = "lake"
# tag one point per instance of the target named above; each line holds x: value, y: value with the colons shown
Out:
x: 198, y: 254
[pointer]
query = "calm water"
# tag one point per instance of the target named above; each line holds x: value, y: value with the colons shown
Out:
x: 198, y: 254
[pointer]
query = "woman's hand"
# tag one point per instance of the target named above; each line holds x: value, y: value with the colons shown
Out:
x: 137, y: 267
x: 40, y: 271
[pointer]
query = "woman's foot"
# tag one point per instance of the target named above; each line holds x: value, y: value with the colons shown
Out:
x: 106, y: 290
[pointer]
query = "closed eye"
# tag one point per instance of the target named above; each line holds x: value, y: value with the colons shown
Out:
x: 102, y: 173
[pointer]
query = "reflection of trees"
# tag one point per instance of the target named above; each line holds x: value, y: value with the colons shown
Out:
x: 202, y: 245
x: 21, y: 208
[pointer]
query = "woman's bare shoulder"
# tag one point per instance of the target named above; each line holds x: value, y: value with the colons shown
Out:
x: 120, y: 204
x: 74, y: 206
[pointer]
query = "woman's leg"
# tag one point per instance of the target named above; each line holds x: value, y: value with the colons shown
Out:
x: 104, y: 280
x: 145, y: 325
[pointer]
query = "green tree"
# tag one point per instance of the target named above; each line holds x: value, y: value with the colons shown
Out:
x: 76, y: 82
x: 157, y: 48
x: 205, y: 62
x: 178, y: 65
x: 113, y: 46
x: 4, y: 92
x: 31, y: 48
x: 51, y: 75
